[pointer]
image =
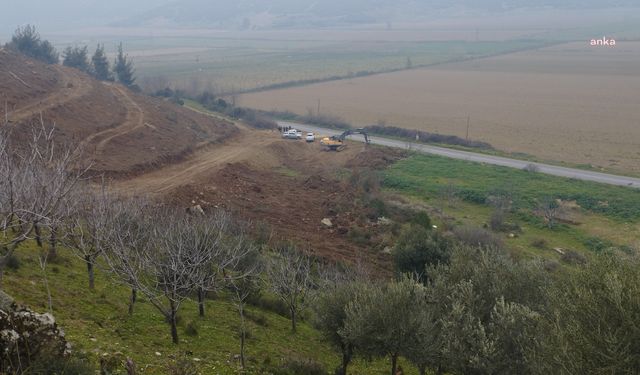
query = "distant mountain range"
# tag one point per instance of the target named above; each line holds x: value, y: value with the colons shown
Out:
x: 248, y: 14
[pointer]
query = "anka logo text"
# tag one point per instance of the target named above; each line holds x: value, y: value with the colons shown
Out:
x: 604, y: 42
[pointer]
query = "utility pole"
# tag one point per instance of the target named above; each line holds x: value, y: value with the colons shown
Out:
x: 468, y: 124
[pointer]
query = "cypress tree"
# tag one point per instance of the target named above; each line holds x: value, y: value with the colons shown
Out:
x: 100, y: 63
x: 123, y: 68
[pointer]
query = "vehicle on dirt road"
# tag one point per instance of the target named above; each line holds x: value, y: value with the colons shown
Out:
x: 310, y: 137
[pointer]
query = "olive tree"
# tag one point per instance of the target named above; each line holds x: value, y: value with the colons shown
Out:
x: 489, y: 310
x: 330, y: 315
x: 384, y: 320
x: 593, y: 325
x: 417, y: 248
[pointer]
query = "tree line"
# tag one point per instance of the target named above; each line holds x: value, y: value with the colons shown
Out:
x: 28, y: 41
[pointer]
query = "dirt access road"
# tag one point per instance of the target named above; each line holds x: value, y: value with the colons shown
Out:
x: 134, y: 120
x: 71, y: 87
x: 242, y: 147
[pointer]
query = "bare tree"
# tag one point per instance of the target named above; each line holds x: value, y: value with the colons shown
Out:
x: 243, y: 281
x: 171, y: 262
x: 36, y: 187
x: 87, y: 230
x: 289, y: 275
x: 127, y: 237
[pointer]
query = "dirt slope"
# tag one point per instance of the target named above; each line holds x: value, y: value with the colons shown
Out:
x: 289, y: 185
x: 126, y: 133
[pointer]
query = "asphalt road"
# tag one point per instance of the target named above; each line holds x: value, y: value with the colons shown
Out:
x: 578, y: 174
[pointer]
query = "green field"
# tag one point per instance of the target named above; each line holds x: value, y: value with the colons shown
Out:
x: 600, y: 214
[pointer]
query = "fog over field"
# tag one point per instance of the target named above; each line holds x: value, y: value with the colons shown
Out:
x: 251, y: 14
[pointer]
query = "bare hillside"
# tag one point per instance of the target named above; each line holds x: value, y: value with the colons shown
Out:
x: 125, y: 132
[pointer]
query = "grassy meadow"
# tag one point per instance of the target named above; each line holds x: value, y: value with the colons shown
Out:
x: 596, y: 216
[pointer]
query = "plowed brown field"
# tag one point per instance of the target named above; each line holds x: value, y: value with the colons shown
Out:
x: 571, y: 103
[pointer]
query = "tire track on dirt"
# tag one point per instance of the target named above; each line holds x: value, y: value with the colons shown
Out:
x: 73, y: 86
x: 241, y: 147
x: 134, y: 120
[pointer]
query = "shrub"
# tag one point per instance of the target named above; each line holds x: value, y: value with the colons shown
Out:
x: 573, y: 257
x: 270, y: 303
x: 191, y: 328
x: 472, y: 196
x: 425, y: 137
x: 13, y: 263
x: 182, y: 366
x: 261, y: 122
x: 597, y: 245
x: 377, y: 208
x: 258, y: 319
x: 359, y: 236
x: 421, y: 218
x: 325, y: 120
x: 496, y: 222
x: 474, y: 236
x: 54, y: 365
x: 300, y: 366
x: 539, y: 243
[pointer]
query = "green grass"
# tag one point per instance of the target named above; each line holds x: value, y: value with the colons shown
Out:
x: 426, y: 174
x: 96, y: 322
x: 609, y: 214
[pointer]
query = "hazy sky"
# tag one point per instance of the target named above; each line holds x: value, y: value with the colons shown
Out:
x: 62, y: 14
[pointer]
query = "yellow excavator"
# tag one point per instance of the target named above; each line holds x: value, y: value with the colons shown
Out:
x: 336, y: 142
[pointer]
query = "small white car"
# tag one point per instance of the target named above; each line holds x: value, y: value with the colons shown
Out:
x: 310, y: 137
x: 291, y: 134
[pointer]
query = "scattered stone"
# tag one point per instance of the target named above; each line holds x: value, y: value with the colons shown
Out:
x: 384, y: 221
x: 6, y: 302
x: 196, y: 210
x: 387, y: 250
x: 559, y: 250
x: 327, y: 222
x: 158, y: 354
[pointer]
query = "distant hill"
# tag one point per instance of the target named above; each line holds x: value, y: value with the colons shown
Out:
x: 246, y: 14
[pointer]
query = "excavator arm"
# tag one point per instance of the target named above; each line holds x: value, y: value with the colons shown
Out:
x: 336, y: 142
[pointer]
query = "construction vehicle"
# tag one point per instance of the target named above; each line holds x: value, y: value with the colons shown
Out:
x: 336, y: 142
